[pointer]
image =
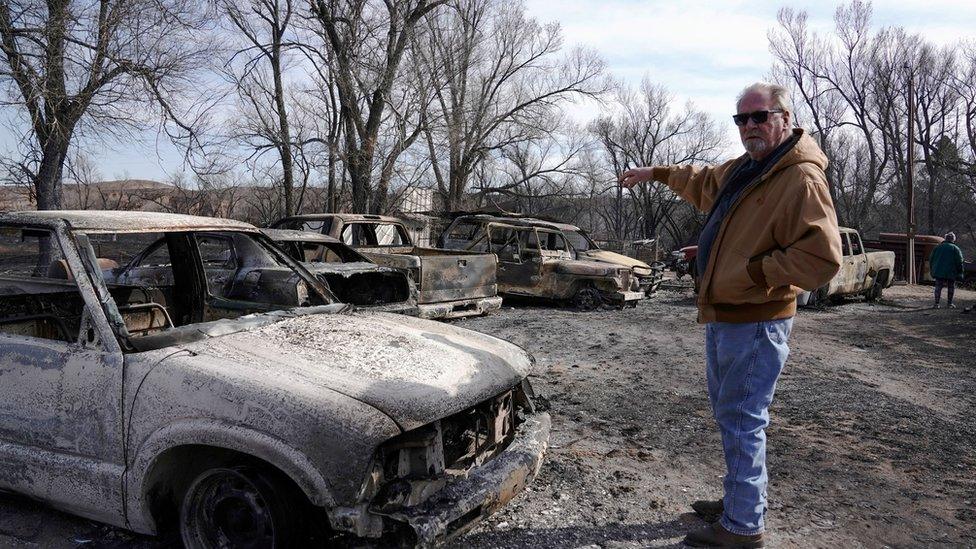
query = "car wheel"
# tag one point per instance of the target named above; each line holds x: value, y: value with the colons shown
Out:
x: 239, y: 507
x: 877, y: 288
x: 587, y: 299
x: 875, y: 292
x: 818, y: 297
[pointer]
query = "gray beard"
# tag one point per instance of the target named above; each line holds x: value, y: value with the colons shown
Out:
x: 754, y: 145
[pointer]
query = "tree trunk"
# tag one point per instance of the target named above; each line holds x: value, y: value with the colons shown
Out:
x: 359, y: 178
x: 284, y: 135
x: 47, y: 183
x: 382, y: 189
x: 331, y: 197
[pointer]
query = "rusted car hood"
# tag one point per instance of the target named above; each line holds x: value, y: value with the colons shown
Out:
x: 413, y: 370
x: 587, y: 268
x: 613, y: 257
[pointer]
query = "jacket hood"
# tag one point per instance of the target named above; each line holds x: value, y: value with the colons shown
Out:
x: 606, y: 256
x: 414, y: 371
x: 805, y: 150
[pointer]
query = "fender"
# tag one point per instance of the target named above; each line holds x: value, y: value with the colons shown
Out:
x: 217, y: 434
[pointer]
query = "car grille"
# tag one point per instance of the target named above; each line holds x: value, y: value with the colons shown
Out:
x: 475, y: 434
x: 455, y: 443
x: 422, y: 460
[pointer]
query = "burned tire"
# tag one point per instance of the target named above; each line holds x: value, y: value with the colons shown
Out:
x: 229, y: 507
x: 587, y: 299
x: 877, y: 289
x: 818, y: 297
x: 874, y: 293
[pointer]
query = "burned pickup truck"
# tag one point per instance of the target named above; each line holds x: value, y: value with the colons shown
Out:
x: 450, y: 284
x: 538, y: 262
x: 465, y: 228
x: 350, y: 275
x: 216, y: 386
x: 862, y: 272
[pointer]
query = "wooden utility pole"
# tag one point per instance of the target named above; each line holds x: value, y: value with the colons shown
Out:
x: 910, y: 233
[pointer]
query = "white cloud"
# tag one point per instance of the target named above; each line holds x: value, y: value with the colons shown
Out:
x: 706, y: 51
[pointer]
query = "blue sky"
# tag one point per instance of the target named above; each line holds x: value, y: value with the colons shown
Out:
x: 702, y: 50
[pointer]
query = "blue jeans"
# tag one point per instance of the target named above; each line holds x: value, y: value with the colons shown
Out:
x: 744, y: 361
x: 949, y: 284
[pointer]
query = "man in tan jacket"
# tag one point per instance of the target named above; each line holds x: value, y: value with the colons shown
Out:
x: 771, y: 231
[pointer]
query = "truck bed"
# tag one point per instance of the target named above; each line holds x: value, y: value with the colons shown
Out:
x: 442, y: 275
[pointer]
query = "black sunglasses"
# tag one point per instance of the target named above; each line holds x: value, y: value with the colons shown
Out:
x: 757, y: 116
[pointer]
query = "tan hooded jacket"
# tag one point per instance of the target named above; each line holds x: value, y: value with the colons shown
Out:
x: 780, y: 235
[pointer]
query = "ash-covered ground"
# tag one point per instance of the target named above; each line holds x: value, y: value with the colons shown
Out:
x: 872, y: 442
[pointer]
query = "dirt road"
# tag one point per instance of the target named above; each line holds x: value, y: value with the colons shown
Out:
x: 872, y: 442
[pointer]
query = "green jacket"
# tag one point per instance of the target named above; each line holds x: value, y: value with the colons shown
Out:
x: 946, y: 261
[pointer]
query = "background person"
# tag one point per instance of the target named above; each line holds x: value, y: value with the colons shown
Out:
x: 946, y: 265
x: 771, y: 230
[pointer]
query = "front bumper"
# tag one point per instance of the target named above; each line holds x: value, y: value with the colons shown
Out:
x: 408, y: 308
x: 459, y: 505
x: 650, y: 283
x: 459, y: 308
x: 625, y: 297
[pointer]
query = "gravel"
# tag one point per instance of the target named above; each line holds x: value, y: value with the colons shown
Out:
x: 872, y: 442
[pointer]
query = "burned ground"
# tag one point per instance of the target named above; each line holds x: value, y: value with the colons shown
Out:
x: 872, y: 442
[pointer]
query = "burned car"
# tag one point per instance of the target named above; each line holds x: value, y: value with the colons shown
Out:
x: 166, y: 371
x: 862, y: 272
x: 538, y: 262
x: 350, y: 275
x: 450, y: 284
x: 466, y: 228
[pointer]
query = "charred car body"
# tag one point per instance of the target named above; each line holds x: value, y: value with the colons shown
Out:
x: 350, y: 275
x: 465, y: 228
x: 538, y: 262
x: 862, y: 272
x: 450, y: 284
x: 216, y: 384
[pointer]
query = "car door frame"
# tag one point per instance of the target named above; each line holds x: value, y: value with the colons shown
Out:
x: 516, y: 277
x: 74, y: 457
x: 859, y: 264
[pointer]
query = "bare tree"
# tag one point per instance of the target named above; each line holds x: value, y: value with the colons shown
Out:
x: 935, y: 103
x: 852, y: 91
x: 367, y: 43
x: 645, y: 129
x: 499, y: 79
x: 536, y: 172
x: 322, y: 124
x: 84, y: 176
x: 256, y: 70
x: 406, y: 120
x: 84, y: 67
x: 801, y: 55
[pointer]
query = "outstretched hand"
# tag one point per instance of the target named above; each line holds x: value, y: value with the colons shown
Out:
x: 633, y: 176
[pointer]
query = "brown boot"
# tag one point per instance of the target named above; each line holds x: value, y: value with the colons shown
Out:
x: 709, y: 510
x: 715, y: 535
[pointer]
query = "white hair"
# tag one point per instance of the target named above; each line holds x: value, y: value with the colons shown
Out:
x: 951, y: 237
x: 779, y: 95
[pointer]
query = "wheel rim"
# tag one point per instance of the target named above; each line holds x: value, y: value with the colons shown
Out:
x: 224, y: 508
x: 587, y: 299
